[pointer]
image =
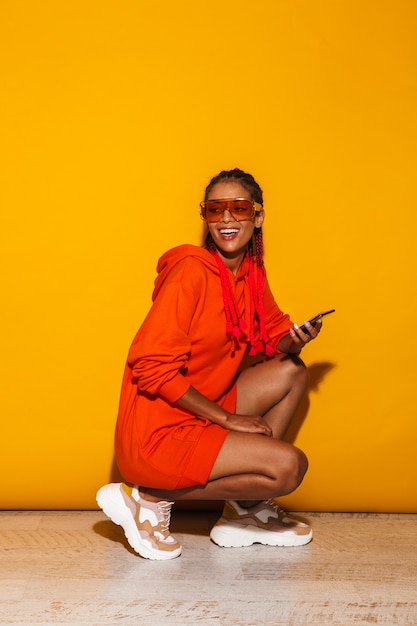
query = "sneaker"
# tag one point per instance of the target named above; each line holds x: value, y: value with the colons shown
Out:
x: 146, y: 524
x: 264, y: 523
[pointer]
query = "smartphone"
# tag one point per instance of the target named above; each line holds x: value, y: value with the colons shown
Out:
x: 314, y: 319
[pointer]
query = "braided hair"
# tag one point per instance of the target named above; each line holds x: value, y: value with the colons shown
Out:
x: 235, y: 325
x: 243, y: 178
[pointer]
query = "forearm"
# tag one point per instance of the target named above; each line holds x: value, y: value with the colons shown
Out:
x: 196, y: 403
x: 288, y: 346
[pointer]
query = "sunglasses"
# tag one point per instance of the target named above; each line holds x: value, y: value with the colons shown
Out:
x: 241, y: 209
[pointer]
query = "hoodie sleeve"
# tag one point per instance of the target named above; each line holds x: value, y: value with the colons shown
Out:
x: 277, y: 323
x: 160, y: 351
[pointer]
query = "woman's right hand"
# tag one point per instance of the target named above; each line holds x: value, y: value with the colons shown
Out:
x: 248, y: 424
x: 198, y: 404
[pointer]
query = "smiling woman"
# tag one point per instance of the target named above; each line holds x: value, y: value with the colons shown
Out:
x: 192, y: 427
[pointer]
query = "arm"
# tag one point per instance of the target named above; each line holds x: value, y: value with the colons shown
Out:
x: 194, y: 402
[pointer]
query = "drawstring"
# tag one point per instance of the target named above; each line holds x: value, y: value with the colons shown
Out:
x: 235, y: 324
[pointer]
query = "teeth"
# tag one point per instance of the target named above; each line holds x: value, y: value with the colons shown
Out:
x: 229, y: 231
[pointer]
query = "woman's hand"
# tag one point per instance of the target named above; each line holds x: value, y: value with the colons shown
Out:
x: 198, y: 404
x: 248, y: 424
x: 301, y: 337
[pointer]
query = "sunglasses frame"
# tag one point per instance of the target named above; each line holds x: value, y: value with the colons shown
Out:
x: 256, y: 208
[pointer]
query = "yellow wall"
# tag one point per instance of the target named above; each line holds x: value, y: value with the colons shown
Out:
x: 114, y: 116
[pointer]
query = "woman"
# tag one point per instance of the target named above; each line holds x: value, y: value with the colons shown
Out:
x: 194, y: 423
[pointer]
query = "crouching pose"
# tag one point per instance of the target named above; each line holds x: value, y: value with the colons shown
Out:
x: 194, y: 423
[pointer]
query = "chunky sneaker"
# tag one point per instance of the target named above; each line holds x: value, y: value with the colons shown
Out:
x: 146, y: 524
x: 264, y: 523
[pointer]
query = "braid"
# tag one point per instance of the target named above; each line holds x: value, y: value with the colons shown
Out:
x: 256, y: 290
x: 259, y: 246
x: 235, y: 324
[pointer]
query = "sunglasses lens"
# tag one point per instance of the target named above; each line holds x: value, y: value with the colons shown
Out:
x: 240, y: 208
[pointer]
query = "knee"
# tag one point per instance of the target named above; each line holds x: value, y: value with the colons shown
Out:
x: 293, y: 469
x: 299, y: 466
x: 293, y: 369
x: 302, y: 465
x: 298, y: 372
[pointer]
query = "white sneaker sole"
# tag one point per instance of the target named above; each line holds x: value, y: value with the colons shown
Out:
x: 234, y: 535
x: 110, y: 500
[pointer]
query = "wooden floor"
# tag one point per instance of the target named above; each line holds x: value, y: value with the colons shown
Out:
x: 76, y: 568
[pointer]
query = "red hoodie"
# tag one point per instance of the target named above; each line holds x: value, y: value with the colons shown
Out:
x: 181, y: 343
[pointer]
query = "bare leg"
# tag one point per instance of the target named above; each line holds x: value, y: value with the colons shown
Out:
x: 247, y: 466
x: 273, y: 389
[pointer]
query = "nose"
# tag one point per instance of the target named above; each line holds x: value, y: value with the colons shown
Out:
x: 227, y: 216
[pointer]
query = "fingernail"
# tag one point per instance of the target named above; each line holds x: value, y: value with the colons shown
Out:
x: 296, y: 326
x: 307, y: 324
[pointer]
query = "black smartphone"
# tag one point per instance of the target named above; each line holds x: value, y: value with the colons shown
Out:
x: 314, y: 319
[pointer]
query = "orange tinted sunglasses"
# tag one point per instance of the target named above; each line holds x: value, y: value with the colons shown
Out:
x: 241, y: 209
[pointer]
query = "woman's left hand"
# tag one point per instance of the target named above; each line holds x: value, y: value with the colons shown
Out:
x: 302, y: 337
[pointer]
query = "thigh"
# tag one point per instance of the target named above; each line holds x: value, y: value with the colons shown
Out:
x: 247, y: 453
x: 261, y: 386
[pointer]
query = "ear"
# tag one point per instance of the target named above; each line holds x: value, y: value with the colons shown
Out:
x: 259, y: 219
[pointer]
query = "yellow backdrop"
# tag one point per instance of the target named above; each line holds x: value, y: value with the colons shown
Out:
x: 114, y: 117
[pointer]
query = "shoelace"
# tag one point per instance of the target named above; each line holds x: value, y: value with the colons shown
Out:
x: 165, y: 510
x: 279, y: 512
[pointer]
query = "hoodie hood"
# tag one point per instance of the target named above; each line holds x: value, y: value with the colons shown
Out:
x: 170, y: 259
